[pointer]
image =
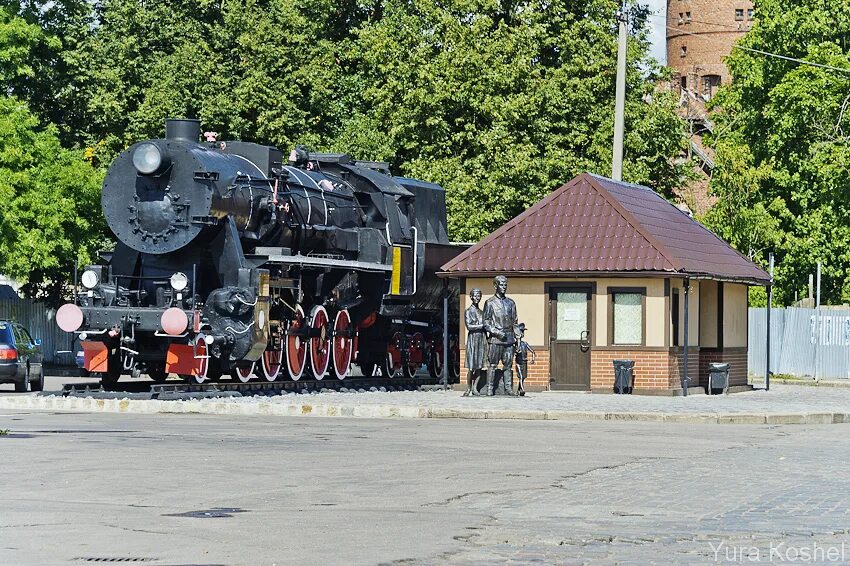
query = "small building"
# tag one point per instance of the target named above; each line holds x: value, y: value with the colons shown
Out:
x: 601, y: 270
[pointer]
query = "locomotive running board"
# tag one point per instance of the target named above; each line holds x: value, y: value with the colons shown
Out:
x: 311, y: 261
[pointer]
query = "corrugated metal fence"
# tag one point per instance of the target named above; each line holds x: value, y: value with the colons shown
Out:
x: 58, y: 346
x: 799, y: 343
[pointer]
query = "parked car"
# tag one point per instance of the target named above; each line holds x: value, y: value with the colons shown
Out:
x: 81, y: 363
x: 20, y: 358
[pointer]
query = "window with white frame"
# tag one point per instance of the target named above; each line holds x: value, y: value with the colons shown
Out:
x: 628, y: 317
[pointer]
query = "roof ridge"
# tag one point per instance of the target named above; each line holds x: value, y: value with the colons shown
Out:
x: 510, y: 224
x: 632, y: 220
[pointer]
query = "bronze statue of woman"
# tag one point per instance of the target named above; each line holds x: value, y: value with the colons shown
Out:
x: 476, y: 343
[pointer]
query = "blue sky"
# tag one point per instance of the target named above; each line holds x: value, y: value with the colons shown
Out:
x: 658, y: 31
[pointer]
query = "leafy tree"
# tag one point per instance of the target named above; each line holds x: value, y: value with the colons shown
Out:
x: 56, y: 28
x: 47, y: 193
x: 500, y: 102
x: 783, y: 145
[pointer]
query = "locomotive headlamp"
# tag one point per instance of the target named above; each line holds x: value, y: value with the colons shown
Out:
x: 148, y: 159
x: 90, y: 279
x: 179, y: 281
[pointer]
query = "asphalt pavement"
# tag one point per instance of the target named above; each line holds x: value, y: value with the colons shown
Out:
x: 217, y: 489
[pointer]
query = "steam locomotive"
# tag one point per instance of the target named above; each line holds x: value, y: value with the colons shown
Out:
x: 231, y: 261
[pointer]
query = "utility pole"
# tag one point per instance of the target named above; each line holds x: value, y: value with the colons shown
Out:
x: 620, y: 102
x: 769, y: 307
x: 817, y: 324
x: 685, y: 377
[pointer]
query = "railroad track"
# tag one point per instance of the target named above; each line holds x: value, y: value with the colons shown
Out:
x: 184, y: 391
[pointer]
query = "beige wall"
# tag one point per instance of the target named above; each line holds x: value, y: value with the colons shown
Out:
x: 708, y: 314
x: 734, y: 315
x: 533, y: 302
x: 693, y: 311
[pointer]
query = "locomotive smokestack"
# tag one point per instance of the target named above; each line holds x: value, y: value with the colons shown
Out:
x: 187, y: 129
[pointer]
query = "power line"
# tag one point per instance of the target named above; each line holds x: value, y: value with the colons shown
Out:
x: 769, y: 54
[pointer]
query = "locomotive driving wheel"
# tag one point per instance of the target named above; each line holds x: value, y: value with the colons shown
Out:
x: 319, y: 342
x: 244, y: 374
x: 296, y: 345
x: 415, y: 348
x: 391, y: 363
x: 272, y: 361
x: 342, y: 345
x: 435, y: 362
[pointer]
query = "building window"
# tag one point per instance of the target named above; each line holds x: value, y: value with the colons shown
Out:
x: 750, y: 13
x: 627, y: 317
x: 710, y: 84
x: 687, y: 17
x: 674, y: 316
x: 739, y: 14
x: 684, y: 51
x: 683, y: 82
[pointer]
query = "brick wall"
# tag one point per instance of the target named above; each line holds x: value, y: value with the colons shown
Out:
x: 736, y: 357
x: 708, y: 37
x: 677, y: 366
x: 655, y: 369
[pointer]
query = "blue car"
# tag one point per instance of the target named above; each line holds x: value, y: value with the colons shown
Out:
x: 81, y: 363
x: 20, y: 358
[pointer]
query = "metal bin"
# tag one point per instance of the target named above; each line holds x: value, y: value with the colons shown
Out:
x: 623, y: 376
x: 718, y: 377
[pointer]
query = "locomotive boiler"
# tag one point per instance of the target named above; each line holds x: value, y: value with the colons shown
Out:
x: 233, y: 260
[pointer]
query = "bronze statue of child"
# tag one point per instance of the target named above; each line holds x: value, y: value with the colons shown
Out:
x: 522, y: 351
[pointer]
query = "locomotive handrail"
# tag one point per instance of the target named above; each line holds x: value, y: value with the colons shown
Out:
x: 166, y: 335
x: 300, y: 259
x: 415, y: 255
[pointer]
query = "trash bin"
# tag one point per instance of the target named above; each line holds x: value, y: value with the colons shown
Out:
x: 623, y: 375
x: 718, y: 377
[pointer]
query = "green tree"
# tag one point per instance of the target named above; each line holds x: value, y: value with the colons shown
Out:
x: 500, y: 102
x: 783, y: 145
x: 47, y: 193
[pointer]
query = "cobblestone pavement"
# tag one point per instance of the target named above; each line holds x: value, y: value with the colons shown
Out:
x: 362, y: 491
x: 749, y: 504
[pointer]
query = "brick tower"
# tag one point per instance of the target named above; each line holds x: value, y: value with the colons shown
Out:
x: 700, y: 33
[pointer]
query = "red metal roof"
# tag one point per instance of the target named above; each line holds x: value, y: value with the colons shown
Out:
x: 592, y: 226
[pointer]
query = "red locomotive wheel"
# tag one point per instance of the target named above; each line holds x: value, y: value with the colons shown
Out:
x: 244, y: 374
x: 392, y: 362
x: 202, y: 365
x: 435, y: 362
x: 272, y: 362
x: 320, y: 344
x: 415, y: 350
x: 343, y: 345
x: 296, y: 346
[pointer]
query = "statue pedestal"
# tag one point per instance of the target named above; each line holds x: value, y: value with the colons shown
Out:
x: 498, y: 383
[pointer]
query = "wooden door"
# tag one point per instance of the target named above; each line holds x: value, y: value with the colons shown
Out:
x: 569, y: 337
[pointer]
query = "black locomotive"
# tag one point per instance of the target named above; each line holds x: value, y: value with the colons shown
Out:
x: 230, y: 260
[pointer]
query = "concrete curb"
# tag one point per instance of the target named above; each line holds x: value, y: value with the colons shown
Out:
x: 840, y: 384
x: 284, y: 407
